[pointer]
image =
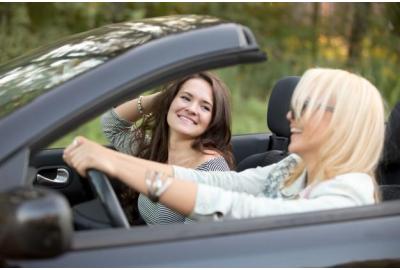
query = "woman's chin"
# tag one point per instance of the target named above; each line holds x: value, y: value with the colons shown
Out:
x: 184, y: 134
x: 294, y: 149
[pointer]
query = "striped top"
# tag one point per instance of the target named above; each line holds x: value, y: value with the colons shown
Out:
x: 157, y: 213
x: 119, y: 133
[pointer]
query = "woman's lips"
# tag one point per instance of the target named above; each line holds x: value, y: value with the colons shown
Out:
x: 187, y: 119
x: 296, y: 130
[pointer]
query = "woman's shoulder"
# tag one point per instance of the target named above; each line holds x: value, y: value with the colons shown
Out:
x: 213, y: 163
x: 357, y: 186
x: 354, y: 180
x: 354, y: 177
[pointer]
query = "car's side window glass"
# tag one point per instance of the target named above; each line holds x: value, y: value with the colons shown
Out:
x: 91, y: 130
x: 248, y: 114
x: 249, y: 107
x: 249, y: 100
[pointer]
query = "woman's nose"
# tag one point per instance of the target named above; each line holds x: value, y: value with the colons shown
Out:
x: 192, y: 108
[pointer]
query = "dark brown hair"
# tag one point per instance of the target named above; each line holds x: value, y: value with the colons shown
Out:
x: 217, y: 136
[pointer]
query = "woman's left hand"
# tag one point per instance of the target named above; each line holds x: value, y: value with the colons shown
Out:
x: 83, y: 154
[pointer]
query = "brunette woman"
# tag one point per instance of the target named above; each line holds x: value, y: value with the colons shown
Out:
x: 186, y: 124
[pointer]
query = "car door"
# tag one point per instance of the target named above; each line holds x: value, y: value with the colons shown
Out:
x: 358, y: 236
x: 52, y: 172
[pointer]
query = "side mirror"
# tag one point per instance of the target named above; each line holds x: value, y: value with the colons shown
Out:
x: 34, y: 223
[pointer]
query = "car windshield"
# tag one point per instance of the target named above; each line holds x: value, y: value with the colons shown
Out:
x: 29, y: 76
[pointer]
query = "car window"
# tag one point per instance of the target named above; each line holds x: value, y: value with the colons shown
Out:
x: 91, y: 130
x: 25, y: 78
x: 249, y: 110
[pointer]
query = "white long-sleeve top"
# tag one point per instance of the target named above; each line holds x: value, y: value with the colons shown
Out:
x: 260, y: 192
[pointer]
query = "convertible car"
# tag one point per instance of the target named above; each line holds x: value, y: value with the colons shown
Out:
x: 51, y: 217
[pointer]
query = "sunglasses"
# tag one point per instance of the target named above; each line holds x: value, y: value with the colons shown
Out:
x: 327, y: 108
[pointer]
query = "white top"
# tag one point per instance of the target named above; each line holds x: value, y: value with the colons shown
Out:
x: 260, y: 192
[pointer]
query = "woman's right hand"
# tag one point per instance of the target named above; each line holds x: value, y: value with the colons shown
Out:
x: 83, y: 154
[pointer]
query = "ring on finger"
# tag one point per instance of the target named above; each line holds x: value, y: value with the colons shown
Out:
x: 75, y: 142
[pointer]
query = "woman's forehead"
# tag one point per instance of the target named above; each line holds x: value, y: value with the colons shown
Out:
x: 315, y: 97
x: 198, y: 88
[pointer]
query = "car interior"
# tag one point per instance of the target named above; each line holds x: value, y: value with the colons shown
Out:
x: 388, y: 170
x: 90, y: 211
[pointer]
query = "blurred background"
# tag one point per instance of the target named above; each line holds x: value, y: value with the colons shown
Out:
x: 361, y: 37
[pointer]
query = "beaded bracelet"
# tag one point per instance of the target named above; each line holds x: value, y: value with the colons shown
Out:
x: 140, y: 108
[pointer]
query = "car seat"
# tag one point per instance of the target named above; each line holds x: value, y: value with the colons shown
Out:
x: 388, y: 171
x: 278, y: 107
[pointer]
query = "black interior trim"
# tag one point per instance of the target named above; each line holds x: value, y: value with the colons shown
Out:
x: 177, y: 232
x: 245, y: 145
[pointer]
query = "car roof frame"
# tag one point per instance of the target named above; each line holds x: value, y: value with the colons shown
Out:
x: 182, y: 54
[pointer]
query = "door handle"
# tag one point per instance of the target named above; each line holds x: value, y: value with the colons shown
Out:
x: 61, y: 179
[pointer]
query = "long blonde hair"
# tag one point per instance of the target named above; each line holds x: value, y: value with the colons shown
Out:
x: 354, y: 138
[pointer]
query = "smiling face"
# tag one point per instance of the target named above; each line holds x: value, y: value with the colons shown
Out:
x: 338, y: 124
x: 190, y: 112
x: 309, y: 133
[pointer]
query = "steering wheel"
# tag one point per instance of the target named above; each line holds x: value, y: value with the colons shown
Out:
x: 105, y: 192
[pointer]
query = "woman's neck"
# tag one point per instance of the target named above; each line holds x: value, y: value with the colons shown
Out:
x: 310, y: 163
x: 181, y: 153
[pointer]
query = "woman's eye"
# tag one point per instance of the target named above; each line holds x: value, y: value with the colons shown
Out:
x: 185, y: 98
x: 206, y: 108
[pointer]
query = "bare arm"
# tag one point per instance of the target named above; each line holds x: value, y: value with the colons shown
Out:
x: 83, y: 154
x: 345, y: 191
x: 129, y: 110
x: 180, y: 196
x: 118, y: 127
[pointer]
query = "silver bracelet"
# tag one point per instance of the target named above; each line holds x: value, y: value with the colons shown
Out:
x: 157, y: 184
x: 140, y: 108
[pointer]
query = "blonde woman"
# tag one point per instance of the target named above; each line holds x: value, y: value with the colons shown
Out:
x: 337, y: 125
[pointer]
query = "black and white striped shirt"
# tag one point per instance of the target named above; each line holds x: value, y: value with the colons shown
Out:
x: 157, y: 213
x: 119, y: 133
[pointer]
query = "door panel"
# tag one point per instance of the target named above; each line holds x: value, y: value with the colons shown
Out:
x: 53, y: 172
x: 317, y: 245
x: 52, y: 169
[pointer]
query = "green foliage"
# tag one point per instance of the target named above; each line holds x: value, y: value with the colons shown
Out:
x: 296, y: 36
x: 91, y: 130
x: 248, y: 113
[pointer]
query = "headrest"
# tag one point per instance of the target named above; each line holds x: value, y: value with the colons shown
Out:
x: 278, y: 106
x: 390, y: 158
x: 391, y: 153
x: 388, y: 170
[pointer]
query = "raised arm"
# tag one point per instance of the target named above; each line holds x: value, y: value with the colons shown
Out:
x: 130, y: 111
x: 119, y: 123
